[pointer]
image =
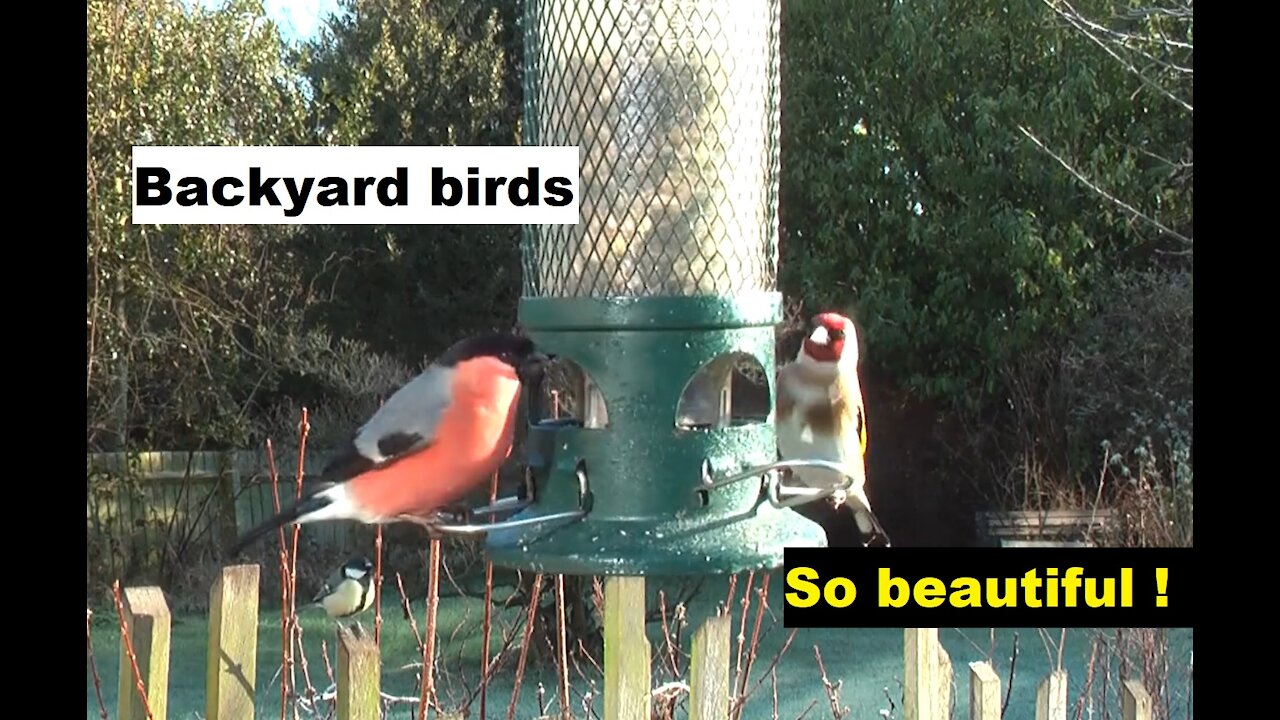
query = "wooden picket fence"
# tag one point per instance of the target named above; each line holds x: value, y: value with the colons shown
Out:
x: 233, y: 642
x: 139, y: 502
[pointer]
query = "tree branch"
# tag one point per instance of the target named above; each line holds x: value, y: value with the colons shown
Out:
x: 1079, y: 23
x: 1134, y: 212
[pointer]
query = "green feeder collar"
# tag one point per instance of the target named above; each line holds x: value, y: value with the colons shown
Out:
x: 643, y: 496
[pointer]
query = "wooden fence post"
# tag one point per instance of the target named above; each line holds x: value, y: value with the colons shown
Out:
x: 1051, y: 697
x: 359, y: 677
x: 626, y: 650
x: 1135, y: 701
x: 148, y: 623
x: 709, y: 670
x: 943, y: 681
x: 232, y: 662
x: 984, y: 692
x: 920, y: 673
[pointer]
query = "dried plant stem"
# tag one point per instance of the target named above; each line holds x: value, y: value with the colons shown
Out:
x: 93, y: 665
x: 128, y: 649
x: 377, y: 575
x: 562, y: 632
x: 302, y: 661
x: 1013, y: 664
x: 285, y: 646
x: 487, y: 628
x: 741, y: 700
x: 773, y: 675
x: 733, y: 586
x: 324, y: 654
x: 1062, y: 646
x: 763, y: 593
x: 304, y: 429
x: 377, y: 586
x: 1088, y: 678
x: 832, y: 689
x: 524, y: 647
x: 742, y: 626
x: 429, y: 642
x: 672, y: 663
x: 408, y: 612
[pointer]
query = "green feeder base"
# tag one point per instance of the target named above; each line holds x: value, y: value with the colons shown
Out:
x: 644, y: 547
x: 650, y: 483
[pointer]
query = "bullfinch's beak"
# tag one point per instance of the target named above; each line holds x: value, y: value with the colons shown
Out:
x: 537, y: 360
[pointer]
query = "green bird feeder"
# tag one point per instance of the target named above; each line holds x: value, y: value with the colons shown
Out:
x: 667, y: 282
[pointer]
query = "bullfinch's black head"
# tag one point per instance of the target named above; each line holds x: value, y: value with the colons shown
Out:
x: 515, y: 350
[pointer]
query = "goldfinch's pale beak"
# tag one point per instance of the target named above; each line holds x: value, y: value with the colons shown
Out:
x: 820, y: 335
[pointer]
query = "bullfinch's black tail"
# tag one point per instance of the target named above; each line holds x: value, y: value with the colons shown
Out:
x: 305, y: 506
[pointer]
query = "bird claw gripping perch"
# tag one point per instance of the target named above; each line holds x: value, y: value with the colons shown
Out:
x: 463, y: 518
x: 780, y: 495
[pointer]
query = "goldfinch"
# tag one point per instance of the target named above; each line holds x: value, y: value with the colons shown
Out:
x: 821, y: 416
x: 434, y: 440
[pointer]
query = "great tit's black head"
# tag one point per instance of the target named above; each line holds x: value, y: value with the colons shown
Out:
x: 357, y: 568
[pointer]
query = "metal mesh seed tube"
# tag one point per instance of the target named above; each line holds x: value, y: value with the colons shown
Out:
x: 675, y: 107
x: 666, y: 282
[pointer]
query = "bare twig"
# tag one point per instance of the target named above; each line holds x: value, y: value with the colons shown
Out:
x: 408, y: 612
x: 763, y: 594
x: 832, y: 689
x: 429, y: 642
x: 1013, y: 662
x: 93, y: 665
x: 1134, y: 212
x: 1088, y: 678
x: 666, y: 635
x: 128, y: 649
x: 324, y: 654
x: 524, y: 647
x: 302, y: 661
x: 377, y: 586
x: 1062, y: 644
x: 742, y: 626
x: 487, y: 629
x: 285, y: 645
x: 304, y: 429
x: 741, y: 700
x: 1077, y: 21
x: 773, y: 677
x: 562, y: 632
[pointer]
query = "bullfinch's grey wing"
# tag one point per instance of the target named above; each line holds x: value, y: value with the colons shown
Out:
x: 405, y: 423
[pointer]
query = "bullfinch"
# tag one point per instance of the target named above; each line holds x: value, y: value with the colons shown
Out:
x: 348, y: 591
x: 821, y: 416
x: 438, y: 437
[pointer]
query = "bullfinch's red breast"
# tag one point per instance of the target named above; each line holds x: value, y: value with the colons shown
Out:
x: 438, y: 437
x: 821, y: 416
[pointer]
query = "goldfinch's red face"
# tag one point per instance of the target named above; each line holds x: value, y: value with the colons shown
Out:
x: 832, y: 333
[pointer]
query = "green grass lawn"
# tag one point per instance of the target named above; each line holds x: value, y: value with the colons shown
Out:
x: 868, y: 661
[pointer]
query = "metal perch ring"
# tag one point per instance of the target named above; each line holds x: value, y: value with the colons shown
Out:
x: 781, y: 496
x: 516, y: 503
